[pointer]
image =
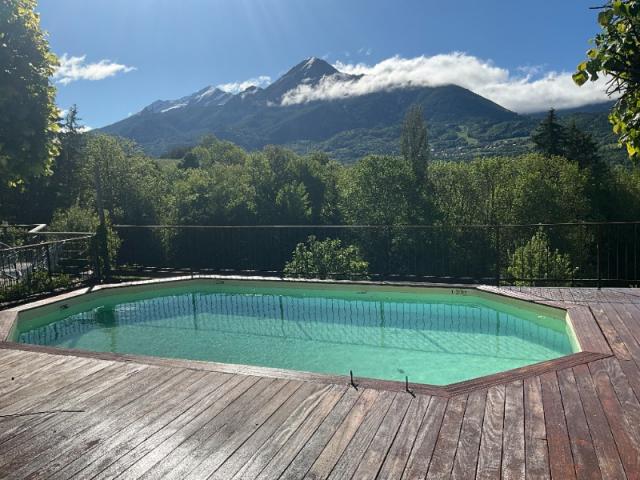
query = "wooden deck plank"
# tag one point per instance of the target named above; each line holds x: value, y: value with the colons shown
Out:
x: 587, y: 330
x: 445, y: 448
x: 134, y: 466
x: 297, y: 453
x: 466, y: 459
x: 575, y: 418
x: 400, y: 451
x: 83, y: 434
x: 97, y: 459
x: 305, y: 401
x: 584, y: 455
x: 118, y: 387
x: 609, y: 330
x: 67, y: 398
x: 237, y: 412
x: 26, y: 384
x: 616, y: 419
x: 628, y: 313
x: 330, y: 438
x: 630, y: 342
x: 331, y: 453
x: 626, y: 397
x: 513, y: 450
x: 371, y: 463
x: 535, y: 432
x: 351, y: 458
x: 490, y: 454
x: 560, y: 457
x: 420, y: 458
x: 120, y: 396
x: 145, y: 413
x: 210, y: 455
x: 608, y: 458
x: 178, y: 428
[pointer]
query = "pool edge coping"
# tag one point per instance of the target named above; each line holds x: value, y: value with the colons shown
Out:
x: 579, y: 318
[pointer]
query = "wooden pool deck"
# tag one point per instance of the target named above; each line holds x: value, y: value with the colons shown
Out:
x: 95, y: 416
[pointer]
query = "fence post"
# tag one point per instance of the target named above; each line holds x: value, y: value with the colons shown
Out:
x: 598, y: 267
x: 498, y: 266
x: 48, y: 256
x: 96, y: 257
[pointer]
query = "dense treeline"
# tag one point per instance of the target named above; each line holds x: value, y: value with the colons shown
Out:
x: 218, y: 183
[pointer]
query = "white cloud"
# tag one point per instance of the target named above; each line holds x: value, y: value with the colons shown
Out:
x: 529, y: 90
x: 72, y: 69
x: 237, y: 87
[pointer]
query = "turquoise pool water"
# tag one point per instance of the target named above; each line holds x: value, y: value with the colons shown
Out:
x: 377, y: 333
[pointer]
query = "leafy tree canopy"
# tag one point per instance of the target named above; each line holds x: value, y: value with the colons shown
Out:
x: 536, y: 261
x: 549, y: 137
x: 28, y: 115
x: 616, y: 53
x: 414, y: 144
x: 326, y: 259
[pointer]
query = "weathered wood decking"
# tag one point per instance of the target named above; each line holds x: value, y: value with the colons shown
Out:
x: 65, y: 416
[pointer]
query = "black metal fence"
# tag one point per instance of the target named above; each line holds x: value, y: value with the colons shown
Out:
x: 575, y: 254
x: 46, y: 262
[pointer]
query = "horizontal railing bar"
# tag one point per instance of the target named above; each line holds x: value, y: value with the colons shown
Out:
x: 444, y: 226
x: 43, y: 244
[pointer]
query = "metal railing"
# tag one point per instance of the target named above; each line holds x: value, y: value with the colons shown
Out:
x: 49, y: 261
x: 595, y: 253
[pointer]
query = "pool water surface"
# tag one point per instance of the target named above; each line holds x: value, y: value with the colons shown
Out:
x: 382, y: 333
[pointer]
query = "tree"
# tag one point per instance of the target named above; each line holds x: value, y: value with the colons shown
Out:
x: 414, y: 144
x: 580, y: 147
x: 377, y: 191
x: 549, y: 136
x: 28, y: 115
x: 326, y: 259
x: 68, y: 162
x: 293, y: 204
x: 536, y: 261
x: 616, y: 54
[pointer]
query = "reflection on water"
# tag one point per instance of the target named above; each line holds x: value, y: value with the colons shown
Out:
x: 389, y: 338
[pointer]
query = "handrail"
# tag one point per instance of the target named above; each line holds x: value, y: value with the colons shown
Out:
x: 400, y: 225
x: 43, y: 244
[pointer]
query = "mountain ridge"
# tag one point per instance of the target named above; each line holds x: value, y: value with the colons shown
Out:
x: 256, y: 117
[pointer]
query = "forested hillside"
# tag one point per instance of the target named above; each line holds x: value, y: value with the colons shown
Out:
x: 218, y: 182
x: 462, y: 125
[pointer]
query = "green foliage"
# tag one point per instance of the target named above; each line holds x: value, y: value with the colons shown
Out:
x: 518, y: 190
x: 292, y: 201
x: 12, y: 236
x: 580, y: 147
x: 221, y: 195
x: 132, y: 184
x: 414, y: 145
x: 535, y: 262
x: 326, y: 259
x: 35, y: 283
x: 549, y: 137
x: 81, y: 219
x: 616, y: 54
x: 28, y: 115
x: 377, y: 191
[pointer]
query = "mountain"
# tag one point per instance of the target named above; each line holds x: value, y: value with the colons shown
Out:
x: 461, y: 123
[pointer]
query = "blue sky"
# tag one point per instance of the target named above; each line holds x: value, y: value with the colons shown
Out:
x: 165, y: 49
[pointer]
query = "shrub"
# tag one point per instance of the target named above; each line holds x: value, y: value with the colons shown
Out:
x: 35, y: 283
x: 535, y: 260
x: 326, y: 259
x: 80, y: 219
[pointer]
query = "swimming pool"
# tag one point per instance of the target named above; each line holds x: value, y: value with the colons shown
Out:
x: 430, y: 335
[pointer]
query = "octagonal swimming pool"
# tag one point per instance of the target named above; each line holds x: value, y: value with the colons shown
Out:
x: 430, y: 335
